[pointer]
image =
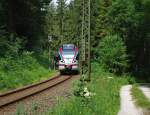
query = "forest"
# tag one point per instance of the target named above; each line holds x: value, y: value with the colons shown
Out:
x: 120, y: 33
x: 120, y: 51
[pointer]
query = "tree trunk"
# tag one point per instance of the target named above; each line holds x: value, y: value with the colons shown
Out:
x: 11, y: 13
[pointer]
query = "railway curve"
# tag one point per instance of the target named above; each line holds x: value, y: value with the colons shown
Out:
x: 19, y: 94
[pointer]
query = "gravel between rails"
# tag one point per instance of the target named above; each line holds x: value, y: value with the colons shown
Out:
x: 43, y: 100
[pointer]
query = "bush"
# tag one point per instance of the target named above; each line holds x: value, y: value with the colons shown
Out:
x: 19, y: 71
x: 10, y: 44
x: 112, y: 54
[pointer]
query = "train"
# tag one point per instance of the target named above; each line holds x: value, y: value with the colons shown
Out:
x: 67, y: 58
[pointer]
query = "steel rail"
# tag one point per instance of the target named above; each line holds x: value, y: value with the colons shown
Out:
x: 30, y: 90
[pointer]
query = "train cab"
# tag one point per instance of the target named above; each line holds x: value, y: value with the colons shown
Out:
x: 67, y: 58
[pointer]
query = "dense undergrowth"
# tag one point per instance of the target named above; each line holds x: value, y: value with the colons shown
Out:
x: 100, y: 98
x: 21, y: 70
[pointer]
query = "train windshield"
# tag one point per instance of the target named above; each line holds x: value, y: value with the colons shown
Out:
x: 68, y: 47
x: 68, y: 53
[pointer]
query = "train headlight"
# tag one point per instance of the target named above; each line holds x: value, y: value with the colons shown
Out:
x: 62, y: 61
x: 74, y: 61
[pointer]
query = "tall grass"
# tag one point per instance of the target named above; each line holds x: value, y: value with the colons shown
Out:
x: 140, y: 99
x: 104, y: 101
x: 19, y: 71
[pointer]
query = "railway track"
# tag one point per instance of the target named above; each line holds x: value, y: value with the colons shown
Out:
x: 22, y: 93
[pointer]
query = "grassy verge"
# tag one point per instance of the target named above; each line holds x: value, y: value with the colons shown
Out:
x: 140, y: 99
x: 20, y: 71
x: 102, y: 97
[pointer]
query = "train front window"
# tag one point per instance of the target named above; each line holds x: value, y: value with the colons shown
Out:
x: 68, y: 47
x: 68, y: 53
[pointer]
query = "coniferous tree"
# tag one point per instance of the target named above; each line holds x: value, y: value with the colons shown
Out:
x: 61, y: 9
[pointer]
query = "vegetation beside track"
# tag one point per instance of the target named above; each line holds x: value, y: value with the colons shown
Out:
x: 140, y: 99
x: 100, y: 98
x: 23, y: 70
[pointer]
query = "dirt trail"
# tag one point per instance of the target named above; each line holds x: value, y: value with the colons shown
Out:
x: 127, y: 104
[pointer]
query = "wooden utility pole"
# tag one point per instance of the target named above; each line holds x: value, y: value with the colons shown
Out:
x: 49, y: 52
x: 89, y: 40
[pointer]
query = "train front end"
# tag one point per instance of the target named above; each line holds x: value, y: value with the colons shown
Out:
x: 68, y: 60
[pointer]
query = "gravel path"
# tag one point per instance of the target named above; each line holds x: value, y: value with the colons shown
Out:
x: 127, y: 103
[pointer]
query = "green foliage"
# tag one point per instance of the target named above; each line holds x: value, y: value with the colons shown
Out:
x: 19, y: 71
x: 122, y: 17
x: 130, y: 19
x: 23, y: 18
x: 20, y: 109
x: 104, y: 101
x: 10, y: 44
x: 79, y: 86
x: 140, y: 99
x: 32, y: 21
x: 63, y: 22
x: 112, y: 54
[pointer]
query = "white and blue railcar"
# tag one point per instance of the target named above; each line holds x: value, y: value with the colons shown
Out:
x: 68, y: 57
